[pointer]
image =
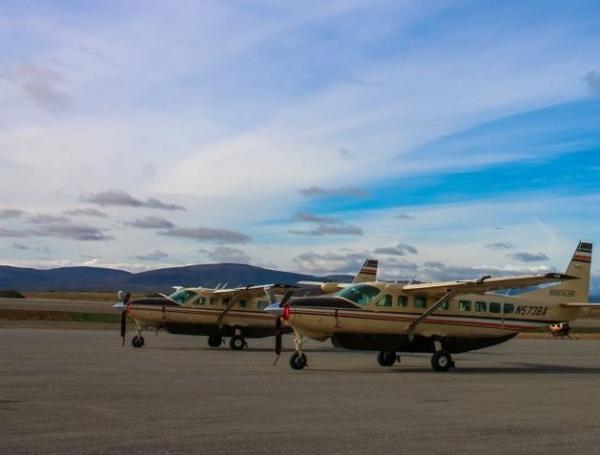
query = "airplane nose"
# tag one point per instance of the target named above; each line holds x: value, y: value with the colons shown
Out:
x: 275, y: 309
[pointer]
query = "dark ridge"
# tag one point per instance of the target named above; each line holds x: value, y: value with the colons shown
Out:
x: 161, y: 280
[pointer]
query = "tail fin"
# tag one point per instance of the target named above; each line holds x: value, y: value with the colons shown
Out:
x: 573, y: 290
x: 368, y: 272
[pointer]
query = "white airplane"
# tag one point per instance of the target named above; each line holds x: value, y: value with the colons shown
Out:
x: 438, y: 318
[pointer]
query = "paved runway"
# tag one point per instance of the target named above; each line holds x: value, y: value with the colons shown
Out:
x: 80, y: 392
x: 36, y: 304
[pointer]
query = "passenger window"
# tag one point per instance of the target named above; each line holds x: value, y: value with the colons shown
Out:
x: 243, y: 303
x: 200, y: 300
x: 494, y: 307
x: 464, y: 305
x: 509, y: 308
x: 481, y: 307
x: 444, y: 306
x: 214, y: 300
x: 386, y: 300
x: 402, y: 301
x: 225, y: 300
x: 420, y: 301
x: 261, y: 304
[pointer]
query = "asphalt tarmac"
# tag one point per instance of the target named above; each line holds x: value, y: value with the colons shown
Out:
x: 71, y: 391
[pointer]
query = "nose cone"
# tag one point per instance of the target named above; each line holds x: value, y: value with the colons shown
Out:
x: 274, y: 309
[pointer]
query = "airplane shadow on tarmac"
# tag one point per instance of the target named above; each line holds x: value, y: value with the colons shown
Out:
x: 520, y: 368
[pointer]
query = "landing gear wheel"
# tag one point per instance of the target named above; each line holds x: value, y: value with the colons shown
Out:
x: 442, y: 361
x: 298, y: 360
x: 137, y: 341
x: 237, y: 343
x: 386, y: 358
x: 214, y: 341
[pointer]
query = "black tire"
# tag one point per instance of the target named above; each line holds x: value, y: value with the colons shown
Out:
x: 298, y: 361
x: 386, y: 358
x: 214, y: 341
x: 237, y: 343
x: 137, y: 341
x: 441, y: 361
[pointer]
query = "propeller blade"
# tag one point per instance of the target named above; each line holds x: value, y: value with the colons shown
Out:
x: 123, y: 325
x: 278, y: 336
x: 286, y: 297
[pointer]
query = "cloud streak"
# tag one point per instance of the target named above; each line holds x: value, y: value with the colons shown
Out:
x: 156, y: 255
x: 329, y: 229
x: 320, y: 192
x: 401, y: 249
x: 124, y: 199
x: 204, y: 234
x: 151, y: 222
x: 70, y: 231
x: 86, y: 212
x: 529, y: 257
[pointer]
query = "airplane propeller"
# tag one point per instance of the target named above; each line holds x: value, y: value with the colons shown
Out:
x: 124, y: 300
x: 279, y: 322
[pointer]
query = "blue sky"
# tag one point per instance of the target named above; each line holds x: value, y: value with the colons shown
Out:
x: 300, y: 135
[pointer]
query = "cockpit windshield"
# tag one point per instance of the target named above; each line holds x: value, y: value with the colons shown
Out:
x: 183, y: 296
x: 362, y: 294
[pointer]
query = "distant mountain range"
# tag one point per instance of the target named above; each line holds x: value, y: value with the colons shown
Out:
x: 160, y: 280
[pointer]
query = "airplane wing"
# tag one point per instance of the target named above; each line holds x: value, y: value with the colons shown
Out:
x: 485, y: 284
x: 247, y: 292
x: 253, y: 291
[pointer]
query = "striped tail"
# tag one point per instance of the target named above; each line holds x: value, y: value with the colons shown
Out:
x: 368, y: 272
x: 573, y: 290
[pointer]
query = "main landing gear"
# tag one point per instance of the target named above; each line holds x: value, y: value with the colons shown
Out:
x: 214, y: 341
x: 441, y: 360
x: 237, y: 342
x: 387, y: 358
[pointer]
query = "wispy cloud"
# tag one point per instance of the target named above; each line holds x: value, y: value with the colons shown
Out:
x: 44, y: 218
x: 20, y: 247
x: 156, y: 255
x: 329, y: 229
x: 11, y: 213
x: 329, y: 263
x: 70, y: 231
x: 227, y: 254
x: 151, y: 222
x: 592, y: 80
x: 204, y: 234
x: 320, y: 192
x: 500, y: 246
x: 529, y: 257
x: 401, y: 249
x: 310, y: 218
x: 123, y: 199
x: 86, y: 212
x: 43, y: 85
x: 404, y: 216
x: 5, y: 232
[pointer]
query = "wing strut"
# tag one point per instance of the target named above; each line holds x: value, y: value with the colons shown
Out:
x: 234, y: 299
x: 447, y: 296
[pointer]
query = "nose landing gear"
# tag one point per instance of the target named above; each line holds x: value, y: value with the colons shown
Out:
x: 298, y: 359
x: 137, y: 341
